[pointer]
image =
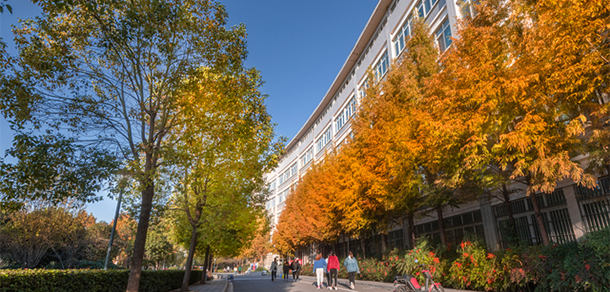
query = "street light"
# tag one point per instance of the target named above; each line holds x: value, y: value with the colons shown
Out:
x: 124, y: 176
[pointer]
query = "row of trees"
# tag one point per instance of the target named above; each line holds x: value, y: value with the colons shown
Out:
x: 67, y: 237
x: 520, y: 94
x: 158, y: 90
x: 60, y: 237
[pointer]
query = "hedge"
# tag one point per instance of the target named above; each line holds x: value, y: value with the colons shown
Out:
x: 89, y: 280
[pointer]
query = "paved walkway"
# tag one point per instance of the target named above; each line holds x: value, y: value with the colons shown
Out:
x: 222, y: 285
x: 216, y: 285
x: 380, y: 285
x: 257, y: 282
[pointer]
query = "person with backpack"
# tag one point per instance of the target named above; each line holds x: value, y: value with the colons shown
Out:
x: 286, y: 270
x: 351, y: 265
x: 333, y: 270
x: 273, y: 269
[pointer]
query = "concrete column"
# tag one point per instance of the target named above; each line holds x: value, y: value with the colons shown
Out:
x: 489, y: 224
x: 574, y: 210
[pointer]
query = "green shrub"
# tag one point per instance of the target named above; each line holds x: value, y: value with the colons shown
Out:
x: 260, y: 269
x: 422, y: 254
x: 89, y: 280
x: 583, y: 266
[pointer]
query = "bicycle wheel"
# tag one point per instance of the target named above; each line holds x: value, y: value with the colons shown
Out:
x: 400, y: 288
x: 438, y: 288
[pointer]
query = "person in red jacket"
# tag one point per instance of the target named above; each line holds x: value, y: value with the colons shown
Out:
x: 333, y: 269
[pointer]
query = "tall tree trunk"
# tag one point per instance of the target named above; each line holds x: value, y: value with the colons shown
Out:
x: 363, y: 250
x: 212, y: 262
x: 384, y: 242
x: 511, y: 218
x: 206, y: 263
x: 540, y: 220
x: 411, y: 220
x: 441, y: 225
x: 133, y: 283
x: 189, y: 261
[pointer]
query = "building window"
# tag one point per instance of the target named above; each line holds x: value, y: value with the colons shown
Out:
x: 325, y: 139
x: 555, y: 216
x: 595, y: 205
x: 382, y: 66
x: 395, y: 239
x: 271, y: 204
x: 424, y: 7
x: 402, y: 37
x: 293, y: 169
x: 467, y: 7
x: 345, y: 114
x: 443, y: 36
x: 457, y: 228
x: 362, y: 89
x: 307, y: 157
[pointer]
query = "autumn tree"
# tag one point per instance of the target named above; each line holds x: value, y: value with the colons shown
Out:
x: 400, y: 147
x: 126, y: 229
x: 225, y: 145
x: 496, y: 88
x: 260, y: 245
x: 39, y: 230
x: 310, y: 214
x: 108, y: 72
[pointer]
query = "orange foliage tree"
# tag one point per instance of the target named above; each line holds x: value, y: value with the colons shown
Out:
x: 500, y: 82
x: 308, y: 216
x: 514, y: 100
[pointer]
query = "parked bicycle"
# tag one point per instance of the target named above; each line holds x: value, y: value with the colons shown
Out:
x: 409, y: 283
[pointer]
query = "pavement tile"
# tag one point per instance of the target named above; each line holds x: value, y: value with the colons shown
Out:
x: 216, y: 285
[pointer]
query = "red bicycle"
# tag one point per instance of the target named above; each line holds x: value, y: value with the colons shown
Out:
x: 409, y: 283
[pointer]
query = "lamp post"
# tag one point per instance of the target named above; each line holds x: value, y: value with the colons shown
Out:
x: 116, y: 218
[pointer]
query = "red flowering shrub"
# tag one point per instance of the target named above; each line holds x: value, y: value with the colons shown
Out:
x: 581, y: 266
x: 578, y: 266
x: 477, y: 269
x: 424, y: 254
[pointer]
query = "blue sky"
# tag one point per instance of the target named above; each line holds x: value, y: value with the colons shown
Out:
x: 299, y: 47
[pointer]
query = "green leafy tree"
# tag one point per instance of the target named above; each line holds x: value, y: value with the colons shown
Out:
x: 159, y: 249
x: 53, y: 169
x: 98, y: 236
x: 109, y: 71
x: 225, y: 145
x: 4, y: 5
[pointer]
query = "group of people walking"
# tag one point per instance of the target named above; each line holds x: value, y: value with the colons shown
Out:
x: 294, y: 265
x: 330, y: 267
x: 321, y: 267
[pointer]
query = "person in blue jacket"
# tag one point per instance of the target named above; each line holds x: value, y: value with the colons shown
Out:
x: 319, y: 267
x: 351, y: 265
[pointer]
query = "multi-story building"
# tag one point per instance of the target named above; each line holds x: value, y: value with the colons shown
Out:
x: 570, y: 211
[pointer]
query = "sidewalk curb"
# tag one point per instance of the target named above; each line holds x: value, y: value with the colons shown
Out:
x: 226, y: 285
